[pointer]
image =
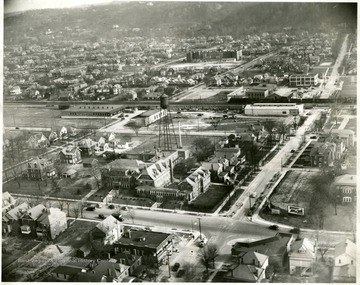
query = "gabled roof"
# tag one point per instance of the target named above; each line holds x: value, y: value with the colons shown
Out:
x: 69, y: 150
x: 259, y: 257
x: 243, y: 272
x: 302, y: 248
x: 51, y: 216
x: 17, y: 212
x: 35, y: 212
x: 125, y: 164
x: 346, y: 247
x: 346, y: 179
x: 108, y: 224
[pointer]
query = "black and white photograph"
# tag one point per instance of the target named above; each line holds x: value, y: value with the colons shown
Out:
x: 179, y: 141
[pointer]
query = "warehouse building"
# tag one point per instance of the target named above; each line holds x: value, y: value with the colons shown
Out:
x: 92, y: 111
x: 300, y: 80
x: 274, y: 109
x: 147, y: 118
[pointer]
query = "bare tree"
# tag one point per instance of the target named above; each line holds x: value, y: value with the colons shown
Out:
x: 76, y: 210
x: 191, y: 272
x: 215, y: 121
x: 131, y: 214
x: 207, y: 255
x: 270, y: 126
x: 135, y: 126
x: 95, y: 172
x: 68, y: 207
x: 282, y: 129
x: 61, y: 204
x: 323, y: 247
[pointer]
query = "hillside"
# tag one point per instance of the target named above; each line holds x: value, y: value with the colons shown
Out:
x: 187, y: 18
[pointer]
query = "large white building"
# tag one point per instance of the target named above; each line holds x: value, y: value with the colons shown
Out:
x: 274, y: 109
x: 299, y: 80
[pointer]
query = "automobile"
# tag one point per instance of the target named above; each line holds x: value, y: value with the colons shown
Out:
x: 147, y: 229
x: 118, y: 217
x: 313, y: 137
x: 292, y: 151
x: 180, y: 273
x: 111, y: 207
x: 199, y: 115
x: 90, y: 208
x: 253, y: 195
x: 274, y: 227
x: 101, y: 216
x: 295, y: 231
x: 225, y: 266
x: 124, y: 208
x: 175, y: 266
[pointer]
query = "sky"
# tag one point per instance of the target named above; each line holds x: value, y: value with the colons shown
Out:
x: 23, y: 5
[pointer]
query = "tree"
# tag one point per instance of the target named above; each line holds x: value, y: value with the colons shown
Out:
x: 76, y: 210
x: 208, y: 254
x: 282, y: 129
x: 215, y: 122
x: 135, y: 126
x: 61, y: 204
x: 203, y: 148
x: 270, y: 126
x: 131, y: 214
x: 191, y: 272
x: 184, y: 166
x: 323, y: 246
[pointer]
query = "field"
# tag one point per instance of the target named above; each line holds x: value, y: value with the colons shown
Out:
x: 204, y: 93
x: 45, y: 117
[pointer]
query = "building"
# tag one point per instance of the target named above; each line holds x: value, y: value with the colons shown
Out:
x: 146, y: 243
x: 344, y: 269
x: 322, y: 154
x: 162, y: 193
x: 40, y: 168
x: 275, y: 247
x: 197, y: 182
x: 8, y: 202
x: 155, y: 174
x: 133, y: 261
x: 109, y: 231
x: 345, y: 187
x: 38, y: 141
x: 347, y: 136
x: 257, y: 92
x: 300, y: 80
x: 231, y: 153
x: 121, y: 173
x: 251, y: 268
x: 151, y: 116
x: 302, y: 257
x: 100, y: 110
x: 51, y: 223
x: 11, y: 219
x: 86, y: 147
x: 70, y: 155
x: 274, y: 109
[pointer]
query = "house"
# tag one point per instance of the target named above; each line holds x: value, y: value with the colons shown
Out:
x: 345, y: 187
x: 146, y: 243
x: 8, y: 202
x: 133, y: 261
x: 251, y: 268
x: 322, y: 154
x: 72, y: 132
x: 40, y: 168
x: 108, y: 231
x: 121, y: 173
x: 103, y: 271
x: 87, y: 147
x: 51, y: 223
x: 63, y: 133
x: 215, y: 166
x: 197, y: 182
x: 53, y: 137
x: 84, y: 250
x: 344, y: 269
x: 90, y: 162
x: 70, y: 155
x: 38, y: 141
x: 302, y: 256
x: 28, y: 220
x: 11, y: 219
x: 70, y: 270
x: 275, y: 247
x: 231, y: 153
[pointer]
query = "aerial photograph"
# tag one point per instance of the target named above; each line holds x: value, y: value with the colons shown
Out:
x: 173, y: 141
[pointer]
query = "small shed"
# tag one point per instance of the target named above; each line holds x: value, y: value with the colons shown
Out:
x: 71, y: 173
x: 84, y: 251
x: 90, y: 162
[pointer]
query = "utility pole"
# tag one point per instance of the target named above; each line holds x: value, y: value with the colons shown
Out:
x: 250, y: 200
x: 200, y: 228
x: 168, y: 256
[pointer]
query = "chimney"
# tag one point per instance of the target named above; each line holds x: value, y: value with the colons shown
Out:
x: 180, y: 142
x: 109, y: 272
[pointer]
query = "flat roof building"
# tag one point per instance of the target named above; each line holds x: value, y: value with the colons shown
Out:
x: 298, y: 80
x: 92, y: 111
x: 274, y: 109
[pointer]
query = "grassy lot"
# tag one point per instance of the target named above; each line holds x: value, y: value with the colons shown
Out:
x: 46, y: 117
x: 206, y: 202
x: 76, y: 235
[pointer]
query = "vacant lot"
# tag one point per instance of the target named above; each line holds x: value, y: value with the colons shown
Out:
x: 206, y: 202
x: 45, y: 117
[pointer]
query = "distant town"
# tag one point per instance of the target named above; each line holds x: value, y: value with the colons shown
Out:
x: 134, y: 156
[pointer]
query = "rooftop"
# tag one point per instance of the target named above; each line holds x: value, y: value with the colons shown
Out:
x: 148, y: 239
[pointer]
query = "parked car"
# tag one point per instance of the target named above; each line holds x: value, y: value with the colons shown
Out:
x: 274, y: 227
x: 176, y: 266
x: 313, y: 137
x: 292, y: 151
x: 253, y: 195
x: 90, y: 208
x: 101, y: 216
x: 111, y: 207
x: 180, y: 273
